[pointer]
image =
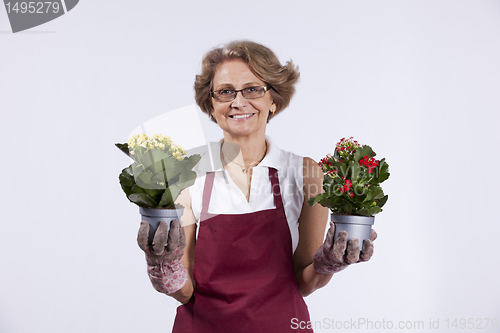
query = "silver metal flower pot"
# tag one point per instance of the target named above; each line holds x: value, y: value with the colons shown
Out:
x: 154, y: 215
x: 356, y: 226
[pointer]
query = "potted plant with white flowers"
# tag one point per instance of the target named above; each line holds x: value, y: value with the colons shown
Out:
x: 352, y: 191
x: 159, y: 172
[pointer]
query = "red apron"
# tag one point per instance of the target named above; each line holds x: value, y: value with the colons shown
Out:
x: 243, y: 268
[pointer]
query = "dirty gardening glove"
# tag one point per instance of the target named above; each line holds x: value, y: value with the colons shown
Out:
x: 332, y: 257
x: 165, y: 270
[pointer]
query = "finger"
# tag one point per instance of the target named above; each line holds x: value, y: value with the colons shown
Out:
x: 373, y: 235
x: 142, y: 236
x: 367, y: 251
x: 329, y: 237
x: 352, y: 254
x: 173, y: 236
x: 340, y: 245
x: 160, y: 238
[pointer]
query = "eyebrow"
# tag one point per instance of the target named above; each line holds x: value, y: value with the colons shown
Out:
x: 245, y: 85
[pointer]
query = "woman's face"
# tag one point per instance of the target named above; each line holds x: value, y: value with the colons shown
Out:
x: 241, y: 116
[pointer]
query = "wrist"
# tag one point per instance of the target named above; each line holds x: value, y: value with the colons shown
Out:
x: 309, y: 280
x: 168, y: 278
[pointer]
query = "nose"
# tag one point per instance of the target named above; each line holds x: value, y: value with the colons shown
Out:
x: 239, y: 101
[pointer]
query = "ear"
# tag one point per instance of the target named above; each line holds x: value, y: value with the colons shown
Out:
x: 273, y: 108
x: 211, y: 115
x: 211, y: 109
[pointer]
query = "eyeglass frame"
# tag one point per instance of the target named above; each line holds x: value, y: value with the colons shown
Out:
x: 266, y: 89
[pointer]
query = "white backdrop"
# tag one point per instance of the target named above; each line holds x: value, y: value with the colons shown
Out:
x: 417, y: 80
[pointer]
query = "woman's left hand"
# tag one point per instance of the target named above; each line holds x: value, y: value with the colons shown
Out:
x: 332, y: 257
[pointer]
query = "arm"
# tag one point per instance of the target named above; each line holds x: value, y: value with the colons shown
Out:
x: 316, y: 261
x: 312, y: 225
x: 171, y: 256
x: 189, y: 222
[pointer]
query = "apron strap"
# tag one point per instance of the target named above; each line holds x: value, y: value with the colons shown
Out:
x: 209, y: 182
x: 207, y: 193
x: 275, y: 188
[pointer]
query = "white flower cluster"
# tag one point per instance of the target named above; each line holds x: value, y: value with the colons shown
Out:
x: 142, y: 143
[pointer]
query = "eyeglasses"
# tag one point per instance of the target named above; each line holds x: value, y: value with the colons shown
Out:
x: 227, y: 95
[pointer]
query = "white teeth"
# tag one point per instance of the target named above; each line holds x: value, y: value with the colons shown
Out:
x: 241, y: 116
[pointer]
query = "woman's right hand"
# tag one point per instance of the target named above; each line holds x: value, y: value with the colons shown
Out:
x: 165, y: 270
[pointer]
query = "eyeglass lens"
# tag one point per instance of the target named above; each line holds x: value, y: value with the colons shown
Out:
x: 226, y: 95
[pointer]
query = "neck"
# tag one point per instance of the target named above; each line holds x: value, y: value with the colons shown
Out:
x: 245, y: 151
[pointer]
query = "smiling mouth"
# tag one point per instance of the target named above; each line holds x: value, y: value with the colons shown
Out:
x: 242, y: 116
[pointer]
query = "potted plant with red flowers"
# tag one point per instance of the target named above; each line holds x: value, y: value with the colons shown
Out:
x: 352, y: 178
x: 159, y: 172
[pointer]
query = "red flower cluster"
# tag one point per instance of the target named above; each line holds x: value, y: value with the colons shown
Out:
x: 347, y: 144
x: 324, y: 161
x: 370, y: 163
x: 346, y: 148
x: 346, y: 187
x: 343, y: 148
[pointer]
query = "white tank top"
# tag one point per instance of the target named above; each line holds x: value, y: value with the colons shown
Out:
x: 227, y: 198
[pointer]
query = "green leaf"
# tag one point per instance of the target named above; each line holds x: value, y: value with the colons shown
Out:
x: 330, y: 187
x: 348, y: 207
x: 344, y: 169
x: 151, y: 157
x: 383, y: 171
x: 359, y: 194
x: 137, y: 189
x: 186, y: 178
x: 166, y: 199
x: 327, y: 180
x: 356, y: 171
x: 336, y: 155
x: 314, y: 200
x: 363, y: 212
x: 175, y: 190
x: 329, y: 202
x: 381, y: 202
x: 362, y: 152
x: 191, y: 161
x: 158, y: 181
x: 374, y: 210
x: 136, y: 169
x: 126, y: 182
x: 151, y: 186
x: 155, y: 167
x: 172, y: 168
x: 127, y: 190
x: 144, y: 178
x: 154, y: 193
x: 125, y: 179
x: 374, y: 192
x: 123, y: 147
x: 128, y: 173
x: 142, y: 199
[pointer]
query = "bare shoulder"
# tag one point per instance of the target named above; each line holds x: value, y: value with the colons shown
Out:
x: 184, y: 200
x: 313, y: 219
x: 313, y: 178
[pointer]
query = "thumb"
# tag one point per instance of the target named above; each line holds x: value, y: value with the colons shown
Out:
x: 142, y: 236
x: 329, y: 237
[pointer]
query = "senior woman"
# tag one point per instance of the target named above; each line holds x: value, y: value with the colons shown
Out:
x: 258, y: 247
